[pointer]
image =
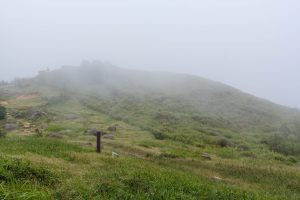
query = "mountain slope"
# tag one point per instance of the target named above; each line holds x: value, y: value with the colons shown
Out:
x: 177, y: 137
x: 178, y: 93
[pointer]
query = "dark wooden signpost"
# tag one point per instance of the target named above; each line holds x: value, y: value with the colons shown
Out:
x: 98, y: 141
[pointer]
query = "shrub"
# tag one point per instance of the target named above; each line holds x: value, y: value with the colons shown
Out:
x: 292, y: 160
x: 248, y: 154
x: 223, y: 142
x: 159, y: 135
x: 282, y: 145
x: 2, y: 112
x: 168, y: 155
x: 166, y: 118
x: 279, y: 158
x: 2, y: 133
x: 243, y: 147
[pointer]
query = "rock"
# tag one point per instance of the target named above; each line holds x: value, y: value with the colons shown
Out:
x: 19, y: 114
x: 114, y: 155
x: 92, y: 131
x: 26, y: 125
x: 206, y: 156
x: 217, y: 178
x: 108, y: 136
x: 34, y: 114
x: 11, y: 127
x: 44, y: 126
x: 71, y: 116
x: 65, y: 132
x: 112, y: 128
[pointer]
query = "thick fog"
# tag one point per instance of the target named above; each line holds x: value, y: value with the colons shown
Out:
x: 253, y: 45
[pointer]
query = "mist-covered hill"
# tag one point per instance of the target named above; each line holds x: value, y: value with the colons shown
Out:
x: 178, y: 107
x: 165, y: 128
x: 147, y: 93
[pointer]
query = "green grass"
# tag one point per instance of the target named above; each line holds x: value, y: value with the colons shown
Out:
x: 42, y: 146
x: 160, y: 140
x: 20, y: 179
x: 52, y: 172
x: 128, y: 178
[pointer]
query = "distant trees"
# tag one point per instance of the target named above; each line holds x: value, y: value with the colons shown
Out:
x: 21, y: 82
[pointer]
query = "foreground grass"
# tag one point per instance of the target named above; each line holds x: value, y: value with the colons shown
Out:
x: 43, y: 168
x: 149, y: 167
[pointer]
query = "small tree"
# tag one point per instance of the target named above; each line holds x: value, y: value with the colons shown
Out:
x: 2, y: 112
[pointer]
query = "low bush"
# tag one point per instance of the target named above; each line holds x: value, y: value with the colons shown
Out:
x: 2, y: 112
x: 159, y: 135
x: 223, y: 143
x: 282, y: 145
x: 168, y: 155
x: 2, y: 132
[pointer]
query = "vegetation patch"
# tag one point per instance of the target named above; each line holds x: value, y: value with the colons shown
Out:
x: 41, y: 146
x: 136, y: 179
x: 281, y: 144
x: 2, y: 112
x: 17, y: 170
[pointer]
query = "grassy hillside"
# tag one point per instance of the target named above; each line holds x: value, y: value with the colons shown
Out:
x: 176, y: 136
x: 174, y: 92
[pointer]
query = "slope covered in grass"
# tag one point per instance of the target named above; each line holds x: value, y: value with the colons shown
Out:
x: 177, y: 136
x: 207, y: 100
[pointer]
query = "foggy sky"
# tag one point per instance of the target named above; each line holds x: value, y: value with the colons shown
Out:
x: 253, y: 45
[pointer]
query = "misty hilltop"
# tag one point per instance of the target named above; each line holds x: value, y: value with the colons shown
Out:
x: 186, y: 96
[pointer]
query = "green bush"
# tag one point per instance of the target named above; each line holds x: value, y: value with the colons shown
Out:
x: 2, y: 112
x: 159, y: 135
x: 223, y: 142
x: 2, y: 132
x: 292, y: 160
x: 168, y: 155
x: 282, y: 145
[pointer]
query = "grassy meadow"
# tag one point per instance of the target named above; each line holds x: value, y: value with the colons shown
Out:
x: 153, y: 146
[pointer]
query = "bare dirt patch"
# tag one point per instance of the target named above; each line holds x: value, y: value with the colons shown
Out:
x: 28, y: 96
x: 4, y: 103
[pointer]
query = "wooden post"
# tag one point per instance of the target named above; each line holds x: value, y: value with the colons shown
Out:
x: 98, y: 142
